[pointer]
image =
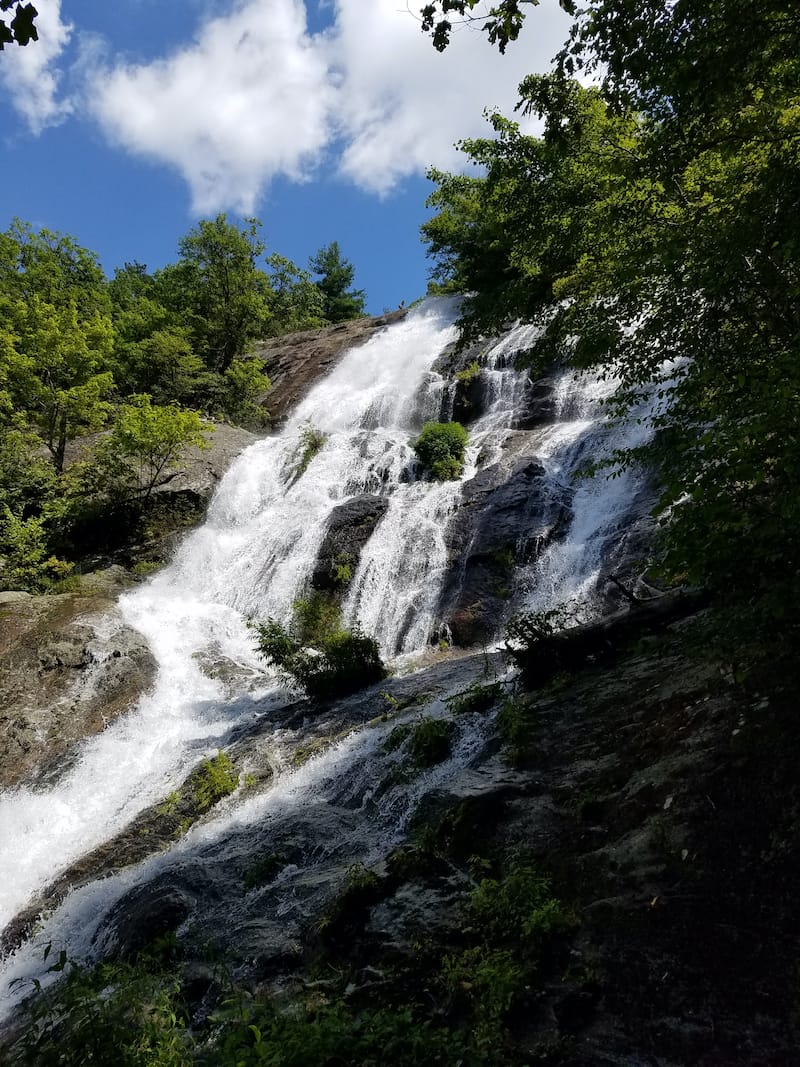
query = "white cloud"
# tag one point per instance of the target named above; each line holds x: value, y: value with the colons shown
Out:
x: 30, y: 74
x: 247, y: 99
x: 254, y: 95
x: 402, y: 105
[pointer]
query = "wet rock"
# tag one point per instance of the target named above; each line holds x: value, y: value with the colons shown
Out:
x: 144, y: 915
x: 349, y: 528
x: 510, y: 512
x: 294, y: 363
x: 69, y: 666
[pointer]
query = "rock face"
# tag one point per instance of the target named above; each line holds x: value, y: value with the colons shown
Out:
x: 507, y: 516
x: 201, y: 470
x: 349, y: 529
x: 68, y: 667
x: 294, y: 363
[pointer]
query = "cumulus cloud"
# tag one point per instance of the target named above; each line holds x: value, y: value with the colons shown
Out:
x: 31, y: 76
x: 254, y: 94
x: 247, y: 99
x: 402, y: 105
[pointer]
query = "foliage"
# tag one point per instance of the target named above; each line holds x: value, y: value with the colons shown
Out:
x: 502, y: 24
x: 480, y: 696
x: 26, y: 561
x: 428, y: 740
x: 519, y: 908
x: 256, y: 1033
x: 469, y: 373
x: 124, y: 1014
x: 339, y: 663
x: 146, y: 441
x: 21, y: 28
x: 339, y: 302
x: 215, y: 779
x: 244, y: 381
x: 312, y: 441
x: 440, y: 447
x: 518, y: 722
x: 227, y: 291
x: 295, y: 302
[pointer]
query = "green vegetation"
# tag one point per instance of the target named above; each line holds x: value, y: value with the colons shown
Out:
x: 470, y: 373
x: 318, y: 654
x: 651, y: 227
x: 428, y: 740
x: 312, y: 442
x: 215, y: 779
x: 339, y: 301
x: 440, y: 448
x: 481, y: 696
x: 126, y: 1014
x: 21, y: 28
x: 105, y: 384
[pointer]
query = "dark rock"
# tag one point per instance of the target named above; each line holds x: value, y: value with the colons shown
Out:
x: 349, y: 529
x: 508, y: 516
x: 144, y: 915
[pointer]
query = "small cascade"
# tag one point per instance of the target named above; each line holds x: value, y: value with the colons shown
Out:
x: 566, y: 574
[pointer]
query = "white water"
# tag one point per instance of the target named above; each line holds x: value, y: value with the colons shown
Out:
x: 566, y: 574
x: 253, y: 556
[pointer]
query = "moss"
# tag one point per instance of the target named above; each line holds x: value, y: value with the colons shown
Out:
x: 470, y: 373
x: 215, y: 779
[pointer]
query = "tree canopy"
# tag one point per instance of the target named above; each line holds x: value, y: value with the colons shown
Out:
x: 129, y: 365
x: 339, y: 301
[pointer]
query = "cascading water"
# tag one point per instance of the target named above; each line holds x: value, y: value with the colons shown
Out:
x: 253, y: 557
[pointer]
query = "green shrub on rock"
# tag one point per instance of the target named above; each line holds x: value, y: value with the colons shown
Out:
x: 337, y: 664
x: 440, y: 448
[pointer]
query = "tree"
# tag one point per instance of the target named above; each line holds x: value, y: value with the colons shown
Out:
x: 146, y: 442
x: 55, y: 365
x: 19, y: 29
x: 220, y: 289
x: 339, y: 302
x: 502, y: 24
x: 295, y: 302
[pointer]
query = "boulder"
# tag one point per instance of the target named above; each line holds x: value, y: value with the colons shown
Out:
x: 349, y: 528
x: 295, y: 362
x: 63, y: 676
x: 509, y: 514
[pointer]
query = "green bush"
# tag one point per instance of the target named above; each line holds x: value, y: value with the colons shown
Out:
x: 440, y: 448
x: 316, y: 618
x: 428, y: 740
x: 340, y: 663
x: 312, y: 441
x: 122, y: 1014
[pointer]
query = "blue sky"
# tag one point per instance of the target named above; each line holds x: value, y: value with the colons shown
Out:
x: 130, y: 120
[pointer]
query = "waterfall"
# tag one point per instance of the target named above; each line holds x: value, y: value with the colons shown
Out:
x: 253, y: 557
x: 250, y: 558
